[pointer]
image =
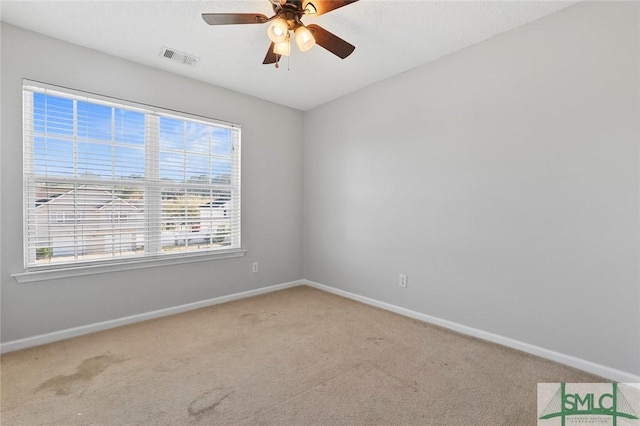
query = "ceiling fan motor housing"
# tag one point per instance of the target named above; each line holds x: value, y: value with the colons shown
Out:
x: 291, y: 12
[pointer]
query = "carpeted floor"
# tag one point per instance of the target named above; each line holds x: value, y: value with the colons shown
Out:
x: 294, y: 357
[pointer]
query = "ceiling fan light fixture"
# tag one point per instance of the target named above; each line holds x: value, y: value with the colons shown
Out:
x: 286, y: 24
x: 304, y: 38
x: 278, y: 31
x: 283, y: 47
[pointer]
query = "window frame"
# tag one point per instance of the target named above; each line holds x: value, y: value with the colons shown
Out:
x: 151, y: 184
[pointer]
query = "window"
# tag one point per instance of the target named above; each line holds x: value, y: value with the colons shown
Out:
x: 113, y: 181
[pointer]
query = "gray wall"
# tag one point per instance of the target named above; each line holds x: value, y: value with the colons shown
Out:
x: 271, y: 175
x: 503, y: 179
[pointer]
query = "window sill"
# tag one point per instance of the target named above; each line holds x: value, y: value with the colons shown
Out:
x: 78, y: 271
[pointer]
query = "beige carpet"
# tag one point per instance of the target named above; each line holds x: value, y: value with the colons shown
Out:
x: 294, y: 357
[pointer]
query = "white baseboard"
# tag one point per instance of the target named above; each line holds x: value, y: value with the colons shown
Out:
x: 571, y: 361
x: 42, y: 339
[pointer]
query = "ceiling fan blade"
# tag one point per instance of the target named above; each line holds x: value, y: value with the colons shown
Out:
x: 234, y: 18
x: 271, y: 57
x: 331, y: 42
x: 324, y: 6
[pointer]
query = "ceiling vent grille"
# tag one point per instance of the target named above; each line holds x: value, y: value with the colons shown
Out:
x: 177, y: 56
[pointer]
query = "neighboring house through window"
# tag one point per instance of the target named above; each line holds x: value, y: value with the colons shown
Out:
x: 112, y: 180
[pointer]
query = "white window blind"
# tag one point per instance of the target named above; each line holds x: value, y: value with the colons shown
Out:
x: 109, y: 181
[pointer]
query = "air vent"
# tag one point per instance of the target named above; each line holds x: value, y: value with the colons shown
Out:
x: 177, y: 56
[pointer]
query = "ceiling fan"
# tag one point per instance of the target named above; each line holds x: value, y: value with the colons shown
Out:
x: 288, y: 18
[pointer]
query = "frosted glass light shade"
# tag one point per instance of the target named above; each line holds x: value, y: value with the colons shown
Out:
x: 282, y: 48
x: 278, y: 30
x: 304, y: 38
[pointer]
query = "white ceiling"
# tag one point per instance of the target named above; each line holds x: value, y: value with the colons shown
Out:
x: 391, y: 36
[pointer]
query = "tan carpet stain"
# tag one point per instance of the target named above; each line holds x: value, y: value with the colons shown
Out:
x: 205, y: 405
x: 86, y: 371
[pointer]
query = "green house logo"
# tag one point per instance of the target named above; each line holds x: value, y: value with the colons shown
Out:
x: 590, y: 403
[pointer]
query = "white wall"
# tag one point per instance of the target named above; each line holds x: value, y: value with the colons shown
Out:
x: 271, y: 174
x: 503, y: 179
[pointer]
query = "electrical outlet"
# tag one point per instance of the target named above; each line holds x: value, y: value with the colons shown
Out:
x: 402, y: 282
x: 254, y: 267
